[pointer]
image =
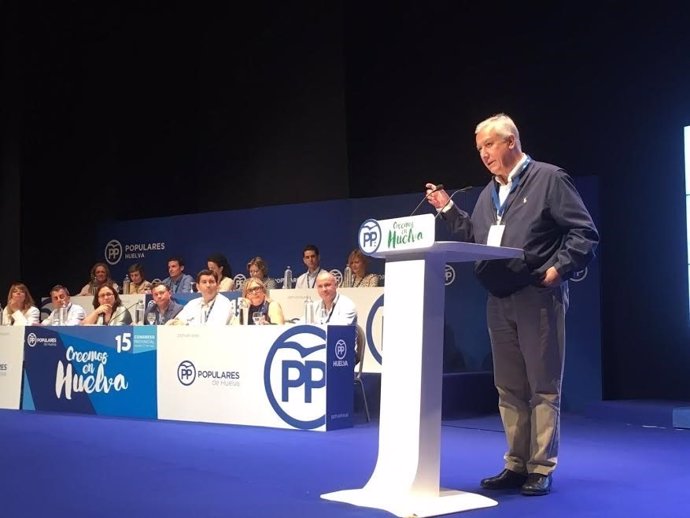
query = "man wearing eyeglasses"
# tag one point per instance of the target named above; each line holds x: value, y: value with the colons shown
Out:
x: 533, y: 206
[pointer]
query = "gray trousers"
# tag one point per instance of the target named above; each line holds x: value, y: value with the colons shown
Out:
x: 527, y: 331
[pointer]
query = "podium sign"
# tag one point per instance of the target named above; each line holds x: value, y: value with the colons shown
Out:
x: 406, y: 479
x: 397, y: 235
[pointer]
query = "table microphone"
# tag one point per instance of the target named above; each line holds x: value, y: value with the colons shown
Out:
x: 450, y: 198
x: 112, y: 317
x: 438, y: 188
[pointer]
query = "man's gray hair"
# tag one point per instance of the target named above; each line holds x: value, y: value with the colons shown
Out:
x: 502, y: 125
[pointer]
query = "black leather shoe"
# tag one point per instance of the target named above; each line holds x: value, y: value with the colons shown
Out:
x: 506, y: 479
x: 536, y: 485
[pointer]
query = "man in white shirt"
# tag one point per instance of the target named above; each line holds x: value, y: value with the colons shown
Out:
x: 211, y: 309
x: 333, y: 308
x: 311, y: 259
x: 60, y: 297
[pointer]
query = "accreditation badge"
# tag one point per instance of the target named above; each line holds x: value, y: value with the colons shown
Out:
x: 495, y: 235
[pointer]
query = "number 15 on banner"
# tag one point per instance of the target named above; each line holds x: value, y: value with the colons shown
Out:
x: 124, y: 342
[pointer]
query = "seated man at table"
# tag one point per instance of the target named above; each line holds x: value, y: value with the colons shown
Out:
x: 164, y: 308
x: 333, y: 308
x: 312, y: 260
x: 178, y: 281
x: 59, y: 296
x: 210, y: 309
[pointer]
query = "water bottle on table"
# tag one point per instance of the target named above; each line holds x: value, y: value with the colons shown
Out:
x: 347, y: 278
x: 287, y: 279
x: 139, y: 313
x: 151, y: 313
x: 125, y: 285
x: 308, y: 310
x: 62, y: 314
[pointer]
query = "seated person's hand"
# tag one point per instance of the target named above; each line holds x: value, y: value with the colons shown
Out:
x: 103, y: 308
x: 175, y: 322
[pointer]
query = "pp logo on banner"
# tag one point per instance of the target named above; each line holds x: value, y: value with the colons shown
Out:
x: 239, y: 279
x: 340, y: 349
x: 295, y: 383
x: 370, y: 236
x: 186, y: 373
x: 338, y: 276
x: 113, y: 252
x: 33, y: 340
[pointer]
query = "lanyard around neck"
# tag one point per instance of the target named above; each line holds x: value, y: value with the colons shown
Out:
x: 515, y: 181
x: 208, y: 311
x: 316, y: 272
x: 330, y: 313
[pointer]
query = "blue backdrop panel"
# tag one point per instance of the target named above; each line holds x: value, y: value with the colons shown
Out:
x: 92, y: 370
x: 279, y: 233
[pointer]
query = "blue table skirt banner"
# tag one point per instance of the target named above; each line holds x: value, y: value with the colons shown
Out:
x: 96, y: 370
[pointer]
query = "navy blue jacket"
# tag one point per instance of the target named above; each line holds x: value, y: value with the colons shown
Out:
x: 544, y: 216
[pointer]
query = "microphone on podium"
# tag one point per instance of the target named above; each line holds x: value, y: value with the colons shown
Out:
x: 439, y: 187
x: 450, y: 198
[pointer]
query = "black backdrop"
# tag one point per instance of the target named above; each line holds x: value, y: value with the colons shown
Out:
x: 150, y: 109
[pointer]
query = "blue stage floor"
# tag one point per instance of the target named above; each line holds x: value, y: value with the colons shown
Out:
x: 72, y: 465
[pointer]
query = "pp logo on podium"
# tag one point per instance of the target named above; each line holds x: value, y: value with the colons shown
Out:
x: 579, y: 276
x: 449, y: 273
x: 295, y: 376
x: 370, y: 236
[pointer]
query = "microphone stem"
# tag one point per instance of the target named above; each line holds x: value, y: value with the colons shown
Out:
x: 437, y: 188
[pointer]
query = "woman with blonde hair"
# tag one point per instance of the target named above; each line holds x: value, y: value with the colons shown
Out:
x: 20, y: 309
x: 267, y: 311
x: 100, y: 275
x: 358, y: 263
x: 258, y: 269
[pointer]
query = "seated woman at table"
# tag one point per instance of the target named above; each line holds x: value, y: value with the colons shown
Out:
x: 20, y: 309
x: 220, y: 265
x: 267, y: 311
x: 258, y: 269
x: 100, y: 275
x: 108, y: 309
x: 358, y: 263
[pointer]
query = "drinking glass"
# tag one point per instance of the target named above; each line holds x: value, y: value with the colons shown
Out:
x: 258, y: 318
x: 151, y: 317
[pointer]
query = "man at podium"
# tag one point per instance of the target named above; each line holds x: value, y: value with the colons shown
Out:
x: 533, y: 206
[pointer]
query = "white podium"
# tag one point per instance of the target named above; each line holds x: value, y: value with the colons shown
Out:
x: 406, y: 479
